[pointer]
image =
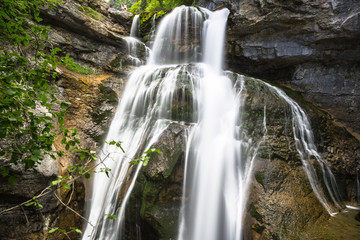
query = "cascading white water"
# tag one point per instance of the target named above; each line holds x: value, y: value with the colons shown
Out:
x: 304, y: 142
x: 212, y: 179
x: 178, y: 37
x: 134, y: 47
x: 143, y: 113
x: 219, y: 156
x: 137, y: 50
x: 134, y: 32
x: 152, y: 31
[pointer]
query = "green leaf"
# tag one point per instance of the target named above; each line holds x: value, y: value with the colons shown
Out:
x: 53, y: 230
x: 63, y: 105
x: 61, y: 121
x: 29, y: 204
x: 10, y: 91
x: 56, y: 182
x: 83, y: 155
x: 87, y: 175
x: 12, y: 179
x: 146, y: 161
x: 65, y: 185
x: 153, y: 150
x: 111, y: 216
x: 37, y: 152
x: 4, y: 171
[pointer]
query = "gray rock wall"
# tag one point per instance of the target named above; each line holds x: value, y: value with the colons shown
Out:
x: 310, y: 46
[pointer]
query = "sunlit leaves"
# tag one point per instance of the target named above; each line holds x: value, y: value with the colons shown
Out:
x: 34, y: 202
x: 117, y: 144
x: 72, y: 229
x: 145, y: 158
x: 111, y: 216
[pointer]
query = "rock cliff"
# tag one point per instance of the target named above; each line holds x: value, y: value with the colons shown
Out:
x: 93, y: 35
x: 311, y: 46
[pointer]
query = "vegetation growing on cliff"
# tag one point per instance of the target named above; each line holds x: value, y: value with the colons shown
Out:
x: 26, y: 75
x: 157, y: 5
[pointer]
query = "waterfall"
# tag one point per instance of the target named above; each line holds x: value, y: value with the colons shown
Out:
x: 221, y: 151
x: 134, y: 32
x: 137, y: 51
x: 178, y: 38
x: 152, y: 31
x: 304, y: 142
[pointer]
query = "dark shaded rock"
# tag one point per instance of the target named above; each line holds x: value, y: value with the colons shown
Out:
x: 280, y: 188
x: 335, y: 88
x: 357, y: 217
x: 155, y: 201
x: 24, y: 221
x: 280, y: 40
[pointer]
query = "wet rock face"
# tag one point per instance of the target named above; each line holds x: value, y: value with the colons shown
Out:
x: 311, y: 46
x: 155, y: 202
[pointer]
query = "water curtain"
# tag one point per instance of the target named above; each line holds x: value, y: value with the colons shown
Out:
x: 185, y: 69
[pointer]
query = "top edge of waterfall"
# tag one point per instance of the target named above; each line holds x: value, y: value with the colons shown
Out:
x: 134, y: 32
x: 180, y: 36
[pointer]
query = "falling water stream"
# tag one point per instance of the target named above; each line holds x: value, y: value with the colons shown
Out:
x: 187, y: 56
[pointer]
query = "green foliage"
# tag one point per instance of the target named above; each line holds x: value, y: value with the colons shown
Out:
x: 111, y: 216
x: 135, y: 8
x: 34, y: 202
x: 88, y: 11
x: 144, y: 158
x: 254, y: 213
x: 27, y: 98
x: 71, y: 65
x: 143, y: 5
x: 117, y: 143
x: 72, y: 229
x: 157, y: 5
x: 28, y: 104
x: 259, y: 176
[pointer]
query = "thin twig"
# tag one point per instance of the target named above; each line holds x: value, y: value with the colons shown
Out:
x: 73, y: 210
x: 27, y: 220
x: 72, y: 192
x: 67, y: 235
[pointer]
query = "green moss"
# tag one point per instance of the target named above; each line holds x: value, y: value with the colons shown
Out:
x: 150, y: 193
x: 88, y: 11
x: 259, y: 176
x: 79, y: 69
x: 254, y: 213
